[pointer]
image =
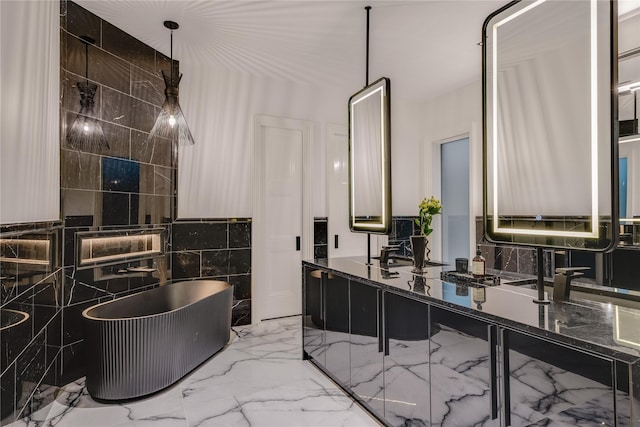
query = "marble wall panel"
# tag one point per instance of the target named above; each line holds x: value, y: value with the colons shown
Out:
x: 217, y: 249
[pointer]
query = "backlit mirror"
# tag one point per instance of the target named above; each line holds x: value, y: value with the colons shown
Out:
x: 550, y: 140
x: 369, y: 159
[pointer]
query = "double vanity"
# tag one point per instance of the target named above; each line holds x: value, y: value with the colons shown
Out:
x: 417, y: 350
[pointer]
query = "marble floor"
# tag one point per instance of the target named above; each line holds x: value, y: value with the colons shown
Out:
x: 258, y: 380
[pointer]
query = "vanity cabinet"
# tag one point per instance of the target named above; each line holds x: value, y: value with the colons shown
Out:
x: 416, y: 360
x: 407, y: 387
x: 552, y: 384
x: 366, y: 346
x: 463, y: 362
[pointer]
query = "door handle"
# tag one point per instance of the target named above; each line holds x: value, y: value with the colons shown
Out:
x: 493, y: 370
x: 380, y: 323
x: 335, y: 241
x: 297, y: 243
x: 506, y: 377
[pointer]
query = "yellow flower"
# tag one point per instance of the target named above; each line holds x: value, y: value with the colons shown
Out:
x: 426, y: 210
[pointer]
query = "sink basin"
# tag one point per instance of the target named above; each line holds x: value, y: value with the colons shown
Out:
x: 403, y: 261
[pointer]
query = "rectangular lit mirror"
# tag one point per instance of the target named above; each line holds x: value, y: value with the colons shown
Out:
x: 550, y: 115
x: 369, y: 159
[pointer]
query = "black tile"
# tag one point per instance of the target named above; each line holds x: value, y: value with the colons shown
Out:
x: 104, y: 68
x: 43, y: 315
x: 31, y: 364
x: 241, y: 314
x: 199, y: 235
x: 147, y: 178
x: 239, y: 234
x: 78, y: 220
x: 147, y: 86
x: 81, y: 22
x: 72, y: 363
x: 185, y: 265
x: 320, y: 251
x: 241, y: 286
x: 240, y: 261
x: 10, y: 390
x: 156, y: 151
x: 54, y: 331
x: 403, y: 228
x: 125, y: 110
x: 79, y: 170
x: 320, y: 232
x: 163, y: 181
x: 83, y: 287
x: 127, y: 47
x: 115, y: 208
x: 508, y: 258
x: 526, y: 261
x: 72, y: 322
x: 215, y: 263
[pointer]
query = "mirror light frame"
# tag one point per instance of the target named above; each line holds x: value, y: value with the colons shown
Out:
x: 494, y: 232
x: 381, y: 87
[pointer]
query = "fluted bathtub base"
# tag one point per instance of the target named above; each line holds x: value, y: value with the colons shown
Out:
x: 131, y: 357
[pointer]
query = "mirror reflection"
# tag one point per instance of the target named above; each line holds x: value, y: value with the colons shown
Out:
x: 369, y: 162
x: 548, y: 134
x: 629, y: 143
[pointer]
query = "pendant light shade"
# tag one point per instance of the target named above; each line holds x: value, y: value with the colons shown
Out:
x: 171, y: 123
x: 86, y: 133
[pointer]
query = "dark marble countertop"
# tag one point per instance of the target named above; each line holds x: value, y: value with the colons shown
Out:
x: 606, y: 329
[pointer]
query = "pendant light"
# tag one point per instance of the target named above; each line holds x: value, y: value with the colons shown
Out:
x: 86, y: 133
x: 171, y: 123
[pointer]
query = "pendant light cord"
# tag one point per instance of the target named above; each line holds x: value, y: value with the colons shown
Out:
x: 367, y: 8
x: 171, y: 57
x: 86, y: 62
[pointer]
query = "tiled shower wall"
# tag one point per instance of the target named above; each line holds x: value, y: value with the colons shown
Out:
x: 128, y: 186
x: 216, y: 249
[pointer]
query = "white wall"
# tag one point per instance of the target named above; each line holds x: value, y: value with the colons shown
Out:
x: 216, y: 174
x: 29, y: 118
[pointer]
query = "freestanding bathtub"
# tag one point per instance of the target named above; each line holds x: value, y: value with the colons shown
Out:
x: 142, y: 343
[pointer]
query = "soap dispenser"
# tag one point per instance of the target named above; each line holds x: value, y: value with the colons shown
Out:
x: 478, y: 265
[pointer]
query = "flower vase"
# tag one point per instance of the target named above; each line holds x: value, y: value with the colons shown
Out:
x: 419, y: 249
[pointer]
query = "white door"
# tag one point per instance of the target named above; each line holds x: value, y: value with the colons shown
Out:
x: 342, y: 242
x: 280, y: 217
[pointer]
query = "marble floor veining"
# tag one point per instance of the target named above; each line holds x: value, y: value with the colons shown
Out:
x: 259, y: 379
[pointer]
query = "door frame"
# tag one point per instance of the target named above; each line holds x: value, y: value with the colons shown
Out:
x: 258, y: 232
x: 431, y: 178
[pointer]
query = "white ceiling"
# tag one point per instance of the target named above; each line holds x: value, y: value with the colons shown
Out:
x: 426, y: 47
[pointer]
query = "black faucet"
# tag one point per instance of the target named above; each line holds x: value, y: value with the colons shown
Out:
x: 562, y: 281
x: 385, y: 252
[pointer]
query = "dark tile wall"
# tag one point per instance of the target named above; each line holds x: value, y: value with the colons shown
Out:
x: 514, y: 259
x: 216, y: 249
x: 30, y: 350
x: 402, y: 228
x: 320, y: 237
x: 130, y: 185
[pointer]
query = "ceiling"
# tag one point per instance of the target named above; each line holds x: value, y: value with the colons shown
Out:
x: 426, y: 47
